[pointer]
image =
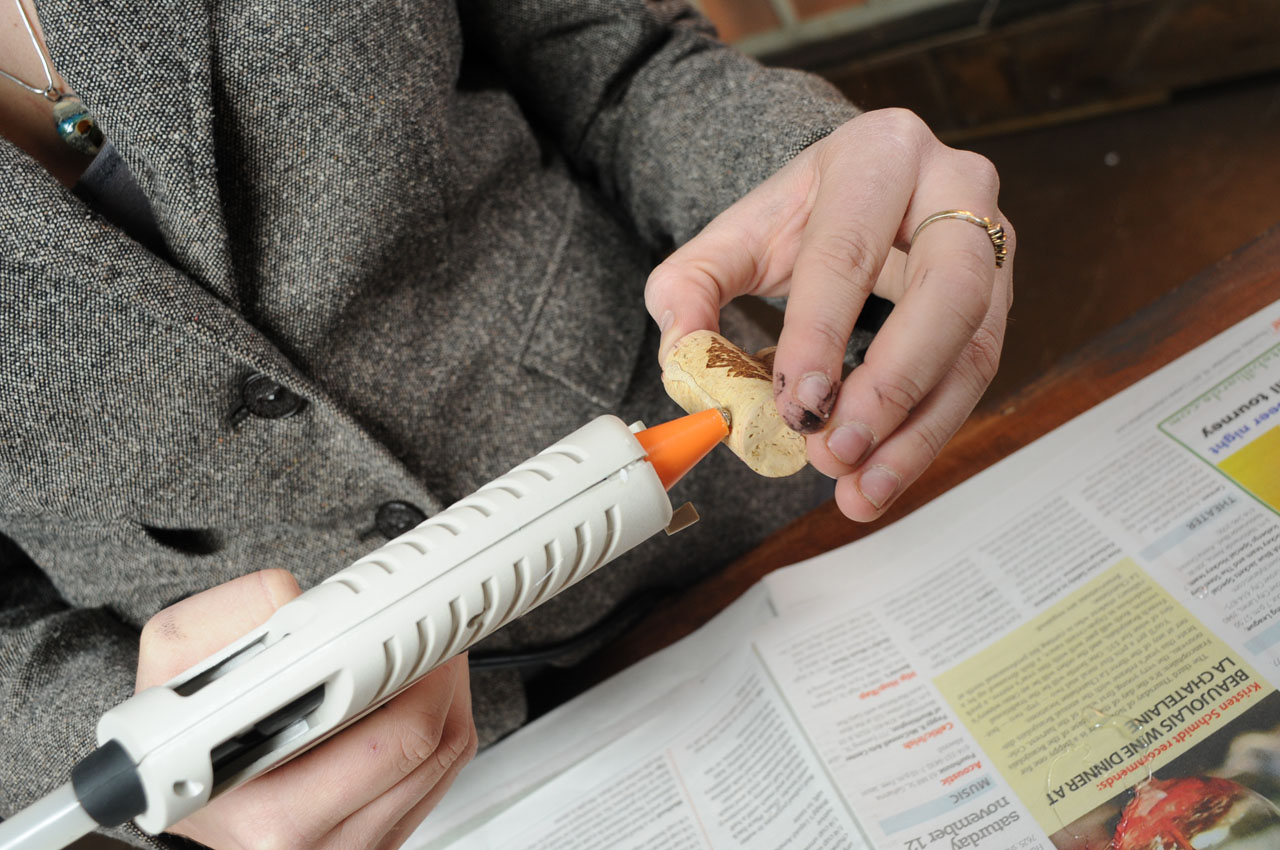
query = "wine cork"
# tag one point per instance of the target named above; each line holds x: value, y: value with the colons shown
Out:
x: 705, y: 370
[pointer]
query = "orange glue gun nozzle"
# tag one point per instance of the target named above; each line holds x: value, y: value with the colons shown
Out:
x: 674, y: 447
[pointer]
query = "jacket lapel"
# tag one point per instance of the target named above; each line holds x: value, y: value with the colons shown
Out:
x: 145, y: 73
x: 43, y: 225
x: 50, y: 248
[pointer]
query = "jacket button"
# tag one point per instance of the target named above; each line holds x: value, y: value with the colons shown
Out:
x: 267, y: 399
x: 395, y: 518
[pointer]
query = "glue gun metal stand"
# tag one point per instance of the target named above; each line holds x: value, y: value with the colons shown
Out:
x: 370, y: 631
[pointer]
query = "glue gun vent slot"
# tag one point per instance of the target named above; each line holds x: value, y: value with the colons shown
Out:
x: 427, y: 653
x: 510, y: 489
x: 574, y: 453
x: 390, y: 659
x: 545, y: 585
x: 448, y: 524
x: 519, y: 592
x: 417, y: 543
x: 582, y: 534
x: 538, y: 470
x: 480, y: 506
x: 457, y: 623
x: 481, y: 623
x: 348, y: 582
x: 612, y: 531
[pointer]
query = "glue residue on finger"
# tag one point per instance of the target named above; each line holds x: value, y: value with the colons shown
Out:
x: 809, y: 407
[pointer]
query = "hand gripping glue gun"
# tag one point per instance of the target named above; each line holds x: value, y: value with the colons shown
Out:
x: 351, y: 643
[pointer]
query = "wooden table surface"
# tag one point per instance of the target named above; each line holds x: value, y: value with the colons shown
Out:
x: 1235, y: 287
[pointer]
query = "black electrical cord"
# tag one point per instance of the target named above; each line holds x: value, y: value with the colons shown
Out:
x: 620, y: 618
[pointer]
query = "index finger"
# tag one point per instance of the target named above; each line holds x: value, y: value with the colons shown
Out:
x: 865, y: 184
x: 746, y: 250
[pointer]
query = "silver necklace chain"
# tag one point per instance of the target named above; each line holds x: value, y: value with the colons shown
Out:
x: 71, y: 120
x: 51, y: 91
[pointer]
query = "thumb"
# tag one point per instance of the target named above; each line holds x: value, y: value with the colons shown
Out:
x: 746, y: 250
x: 684, y: 294
x: 198, y: 626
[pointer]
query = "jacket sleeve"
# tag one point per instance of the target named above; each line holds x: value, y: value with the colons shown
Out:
x: 671, y: 123
x: 60, y: 669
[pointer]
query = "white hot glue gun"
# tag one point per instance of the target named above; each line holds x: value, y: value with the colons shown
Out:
x: 351, y: 643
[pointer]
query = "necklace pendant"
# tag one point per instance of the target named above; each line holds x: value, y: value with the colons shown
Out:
x: 76, y: 126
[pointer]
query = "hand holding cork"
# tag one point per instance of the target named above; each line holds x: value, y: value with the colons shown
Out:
x: 827, y: 229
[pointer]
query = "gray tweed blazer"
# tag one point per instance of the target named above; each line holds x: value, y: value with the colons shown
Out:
x: 406, y: 248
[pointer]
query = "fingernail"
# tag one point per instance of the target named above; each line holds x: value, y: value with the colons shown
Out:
x: 878, y: 484
x: 814, y: 397
x: 664, y: 324
x: 851, y: 443
x: 814, y: 392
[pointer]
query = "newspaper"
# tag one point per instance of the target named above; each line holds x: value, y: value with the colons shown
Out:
x: 1077, y: 649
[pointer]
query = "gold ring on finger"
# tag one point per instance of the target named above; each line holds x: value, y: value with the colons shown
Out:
x: 994, y: 230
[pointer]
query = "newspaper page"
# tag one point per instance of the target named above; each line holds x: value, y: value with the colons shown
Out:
x: 557, y: 741
x: 1077, y: 649
x: 723, y: 767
